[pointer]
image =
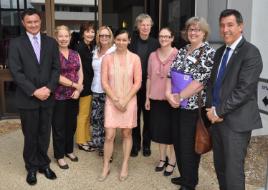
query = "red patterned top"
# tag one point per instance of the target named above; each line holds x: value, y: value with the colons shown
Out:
x: 68, y: 68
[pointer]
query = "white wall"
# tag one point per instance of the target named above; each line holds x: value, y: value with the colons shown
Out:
x: 245, y: 8
x: 61, y: 15
x: 259, y: 37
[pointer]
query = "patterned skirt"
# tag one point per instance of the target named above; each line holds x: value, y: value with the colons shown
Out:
x: 97, y: 120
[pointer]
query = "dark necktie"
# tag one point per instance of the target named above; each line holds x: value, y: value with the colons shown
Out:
x: 216, y: 89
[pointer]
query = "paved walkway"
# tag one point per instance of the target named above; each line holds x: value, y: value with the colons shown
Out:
x: 82, y: 175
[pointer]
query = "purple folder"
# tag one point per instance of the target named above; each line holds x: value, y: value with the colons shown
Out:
x: 179, y: 81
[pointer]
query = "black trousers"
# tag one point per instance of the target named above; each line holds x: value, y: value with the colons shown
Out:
x: 136, y: 132
x: 36, y: 128
x: 183, y: 130
x: 64, y: 126
x: 229, y: 151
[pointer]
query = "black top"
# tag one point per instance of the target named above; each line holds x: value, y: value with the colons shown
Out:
x: 85, y: 53
x: 143, y: 48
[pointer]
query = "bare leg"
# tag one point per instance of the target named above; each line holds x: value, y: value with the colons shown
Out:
x: 163, y: 154
x: 127, y: 144
x: 108, y: 150
x: 172, y: 158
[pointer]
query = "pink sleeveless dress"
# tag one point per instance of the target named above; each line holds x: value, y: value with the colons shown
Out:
x: 121, y: 79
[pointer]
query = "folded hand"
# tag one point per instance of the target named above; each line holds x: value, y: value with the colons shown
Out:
x: 212, y: 117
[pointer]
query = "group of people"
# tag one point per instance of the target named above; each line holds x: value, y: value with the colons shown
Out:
x: 110, y: 79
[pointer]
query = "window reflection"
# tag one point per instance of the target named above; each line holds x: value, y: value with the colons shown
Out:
x: 9, y: 96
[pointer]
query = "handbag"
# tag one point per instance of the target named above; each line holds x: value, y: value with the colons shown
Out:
x: 203, y: 142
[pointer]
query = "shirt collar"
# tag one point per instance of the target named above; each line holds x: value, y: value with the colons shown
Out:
x: 38, y: 35
x: 236, y: 42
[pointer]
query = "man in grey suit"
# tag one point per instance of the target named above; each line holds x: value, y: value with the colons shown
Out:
x: 232, y: 100
x: 34, y: 64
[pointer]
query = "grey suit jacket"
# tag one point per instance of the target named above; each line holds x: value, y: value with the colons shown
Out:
x: 238, y: 94
x: 28, y: 74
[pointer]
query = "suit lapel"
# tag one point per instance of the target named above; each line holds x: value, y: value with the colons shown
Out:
x: 217, y: 61
x: 29, y: 47
x: 232, y: 59
x: 43, y: 48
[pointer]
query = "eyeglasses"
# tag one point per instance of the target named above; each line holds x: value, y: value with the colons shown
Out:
x: 104, y: 36
x: 164, y: 37
x: 196, y: 30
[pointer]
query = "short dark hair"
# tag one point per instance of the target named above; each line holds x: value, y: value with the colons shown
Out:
x: 122, y: 31
x: 168, y: 29
x: 229, y: 12
x: 29, y: 12
x: 86, y: 26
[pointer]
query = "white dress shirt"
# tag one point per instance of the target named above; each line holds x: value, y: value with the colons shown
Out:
x: 38, y: 35
x: 96, y: 65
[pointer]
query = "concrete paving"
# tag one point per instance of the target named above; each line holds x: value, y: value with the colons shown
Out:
x: 82, y: 175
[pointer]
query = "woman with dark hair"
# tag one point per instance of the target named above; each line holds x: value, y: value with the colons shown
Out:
x: 85, y: 48
x: 121, y: 79
x: 160, y: 110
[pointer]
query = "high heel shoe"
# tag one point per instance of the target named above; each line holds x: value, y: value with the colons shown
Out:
x: 83, y: 147
x: 64, y: 167
x: 160, y: 168
x: 102, y: 178
x: 167, y: 173
x: 73, y: 159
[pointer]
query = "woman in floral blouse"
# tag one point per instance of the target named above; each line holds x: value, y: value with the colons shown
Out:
x: 195, y: 62
x: 66, y: 95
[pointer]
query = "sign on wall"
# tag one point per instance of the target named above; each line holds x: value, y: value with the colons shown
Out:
x: 263, y: 95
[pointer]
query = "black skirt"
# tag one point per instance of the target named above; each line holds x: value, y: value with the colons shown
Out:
x: 160, y: 121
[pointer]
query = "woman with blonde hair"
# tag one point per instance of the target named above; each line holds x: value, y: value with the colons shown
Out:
x: 66, y: 95
x: 189, y: 72
x: 104, y: 41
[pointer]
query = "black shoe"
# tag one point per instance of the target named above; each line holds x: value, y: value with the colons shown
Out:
x: 101, y: 152
x: 64, y: 167
x: 146, y: 151
x: 185, y: 188
x: 31, y: 178
x: 134, y: 152
x: 176, y: 180
x: 160, y: 168
x: 75, y: 159
x: 48, y: 173
x: 168, y: 173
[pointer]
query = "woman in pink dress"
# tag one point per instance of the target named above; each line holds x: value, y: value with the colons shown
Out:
x: 121, y: 79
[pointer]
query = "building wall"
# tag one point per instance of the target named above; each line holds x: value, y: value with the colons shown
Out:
x: 259, y: 37
x: 255, y: 30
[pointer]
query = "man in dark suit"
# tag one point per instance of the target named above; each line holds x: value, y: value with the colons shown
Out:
x: 232, y: 100
x: 34, y: 64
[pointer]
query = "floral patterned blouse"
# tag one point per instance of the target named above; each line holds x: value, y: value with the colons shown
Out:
x: 199, y: 71
x: 68, y: 68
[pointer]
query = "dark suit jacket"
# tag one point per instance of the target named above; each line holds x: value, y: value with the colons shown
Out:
x: 28, y: 74
x: 238, y: 94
